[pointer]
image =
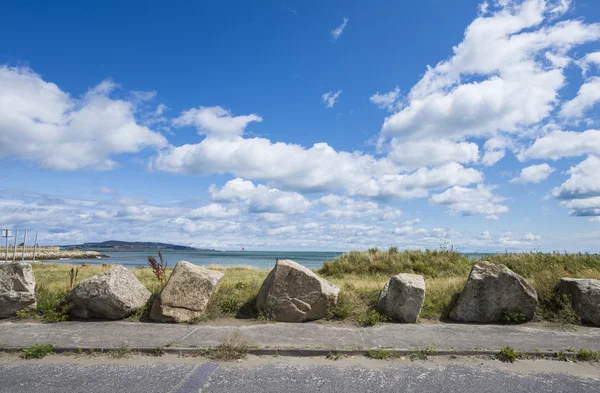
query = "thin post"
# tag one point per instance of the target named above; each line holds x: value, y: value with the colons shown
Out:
x: 6, y: 257
x: 15, y: 245
x: 35, y: 246
x: 24, y: 241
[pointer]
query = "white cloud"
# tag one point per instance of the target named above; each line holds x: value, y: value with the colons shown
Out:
x: 587, y: 96
x: 107, y: 191
x: 471, y: 201
x: 432, y: 152
x: 534, y: 174
x: 530, y: 237
x: 386, y: 100
x: 559, y: 144
x: 503, y: 77
x: 485, y: 235
x: 214, y: 210
x: 215, y: 121
x: 584, y: 181
x: 337, y: 32
x: 260, y: 198
x: 40, y: 122
x: 340, y: 207
x: 587, y: 61
x: 330, y: 98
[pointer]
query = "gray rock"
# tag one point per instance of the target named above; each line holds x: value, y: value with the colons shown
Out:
x: 114, y: 294
x: 402, y: 297
x: 584, y: 294
x: 293, y: 293
x: 490, y: 291
x: 17, y: 289
x: 186, y: 294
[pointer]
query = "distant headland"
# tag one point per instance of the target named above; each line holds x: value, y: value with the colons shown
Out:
x: 116, y: 245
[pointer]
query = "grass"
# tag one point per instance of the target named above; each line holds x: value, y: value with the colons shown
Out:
x: 382, y: 354
x: 423, y: 353
x: 334, y: 355
x: 233, y: 347
x: 360, y: 276
x: 507, y: 355
x: 38, y: 351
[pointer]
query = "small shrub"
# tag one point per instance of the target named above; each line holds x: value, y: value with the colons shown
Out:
x: 584, y: 355
x: 38, y: 351
x: 382, y: 354
x: 343, y: 308
x: 334, y: 355
x: 513, y: 317
x: 370, y: 318
x: 507, y: 355
x: 231, y: 305
x: 423, y: 354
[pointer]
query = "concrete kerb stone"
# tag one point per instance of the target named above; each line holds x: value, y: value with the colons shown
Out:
x: 293, y: 352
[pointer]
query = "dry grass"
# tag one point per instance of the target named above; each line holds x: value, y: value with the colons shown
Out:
x: 360, y: 276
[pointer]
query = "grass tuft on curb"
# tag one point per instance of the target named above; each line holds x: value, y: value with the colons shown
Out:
x: 38, y: 351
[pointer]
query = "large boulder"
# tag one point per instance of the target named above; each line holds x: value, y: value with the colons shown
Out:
x: 490, y: 292
x: 402, y: 297
x: 186, y: 294
x: 293, y: 293
x: 17, y: 289
x: 114, y: 294
x: 584, y: 294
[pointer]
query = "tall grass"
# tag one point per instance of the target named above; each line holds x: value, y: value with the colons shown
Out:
x: 360, y: 276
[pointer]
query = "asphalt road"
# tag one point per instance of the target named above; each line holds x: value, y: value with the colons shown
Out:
x: 289, y: 376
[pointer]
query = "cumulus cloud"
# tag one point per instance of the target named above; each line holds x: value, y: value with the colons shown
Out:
x: 432, y: 152
x: 560, y: 144
x: 584, y: 181
x: 386, y: 100
x: 337, y: 32
x: 215, y: 121
x: 260, y: 198
x: 534, y: 174
x: 214, y: 210
x: 504, y: 76
x: 42, y: 123
x: 587, y: 96
x: 330, y: 98
x: 471, y: 201
x: 530, y: 237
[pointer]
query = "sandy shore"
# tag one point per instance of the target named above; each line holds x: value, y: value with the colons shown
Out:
x: 46, y: 254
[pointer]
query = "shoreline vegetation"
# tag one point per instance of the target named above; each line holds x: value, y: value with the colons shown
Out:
x: 43, y: 254
x: 360, y: 276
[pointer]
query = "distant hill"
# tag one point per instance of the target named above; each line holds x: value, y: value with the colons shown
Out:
x: 115, y: 245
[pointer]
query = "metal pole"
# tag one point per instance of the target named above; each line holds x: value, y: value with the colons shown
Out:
x: 24, y: 241
x: 15, y: 245
x: 6, y: 258
x: 35, y: 246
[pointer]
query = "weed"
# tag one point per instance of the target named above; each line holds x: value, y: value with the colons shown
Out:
x: 563, y: 356
x: 507, y: 355
x: 73, y: 273
x: 423, y: 354
x: 370, y: 318
x: 334, y: 355
x: 38, y: 351
x: 513, y: 317
x: 342, y: 309
x: 584, y: 355
x: 233, y: 347
x: 382, y: 354
x: 120, y: 353
x: 160, y: 351
x: 159, y: 268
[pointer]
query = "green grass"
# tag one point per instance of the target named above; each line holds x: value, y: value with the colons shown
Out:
x: 382, y: 354
x: 38, y: 351
x: 507, y: 355
x: 360, y: 276
x: 584, y: 355
x: 334, y: 355
x: 423, y: 353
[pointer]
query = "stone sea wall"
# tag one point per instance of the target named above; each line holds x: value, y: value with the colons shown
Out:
x: 45, y: 254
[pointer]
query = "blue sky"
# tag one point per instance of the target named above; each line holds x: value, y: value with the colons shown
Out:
x: 303, y: 125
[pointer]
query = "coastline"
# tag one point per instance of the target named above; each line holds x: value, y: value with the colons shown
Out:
x: 54, y: 255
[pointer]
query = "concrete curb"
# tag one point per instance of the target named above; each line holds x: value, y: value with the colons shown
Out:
x: 293, y: 352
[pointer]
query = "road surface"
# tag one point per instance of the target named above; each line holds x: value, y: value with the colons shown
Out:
x: 143, y: 374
